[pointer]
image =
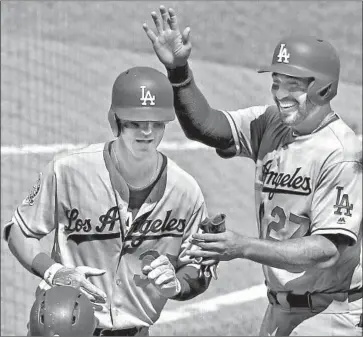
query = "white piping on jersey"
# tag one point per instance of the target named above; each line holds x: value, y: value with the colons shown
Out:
x: 234, y: 133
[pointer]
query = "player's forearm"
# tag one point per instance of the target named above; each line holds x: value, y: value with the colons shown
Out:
x: 295, y: 255
x: 198, y: 120
x: 28, y: 251
x: 192, y: 284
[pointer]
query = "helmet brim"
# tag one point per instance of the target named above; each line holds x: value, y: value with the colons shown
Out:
x: 288, y: 70
x: 145, y: 114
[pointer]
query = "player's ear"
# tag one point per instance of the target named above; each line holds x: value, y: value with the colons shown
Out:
x: 114, y: 123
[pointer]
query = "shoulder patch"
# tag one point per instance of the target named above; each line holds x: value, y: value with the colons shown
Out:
x: 29, y: 200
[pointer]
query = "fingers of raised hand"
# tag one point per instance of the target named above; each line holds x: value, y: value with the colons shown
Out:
x: 158, y: 25
x: 173, y: 21
x: 150, y: 34
x: 165, y: 17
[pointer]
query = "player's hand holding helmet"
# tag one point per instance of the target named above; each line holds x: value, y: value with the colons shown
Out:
x: 171, y: 46
x: 59, y: 275
x: 161, y: 273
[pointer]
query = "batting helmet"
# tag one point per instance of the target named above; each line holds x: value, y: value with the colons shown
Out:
x: 306, y: 56
x: 62, y: 311
x: 141, y: 94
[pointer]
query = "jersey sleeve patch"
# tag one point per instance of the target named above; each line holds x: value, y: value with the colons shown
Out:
x: 29, y: 200
x: 342, y: 205
x: 337, y: 201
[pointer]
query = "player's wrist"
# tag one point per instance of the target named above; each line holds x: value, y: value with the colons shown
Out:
x: 244, y: 247
x: 180, y: 76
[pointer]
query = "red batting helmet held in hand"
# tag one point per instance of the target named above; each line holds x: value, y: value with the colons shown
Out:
x: 62, y: 311
x: 306, y: 56
x: 141, y: 94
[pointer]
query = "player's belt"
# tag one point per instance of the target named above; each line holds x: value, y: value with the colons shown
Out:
x: 122, y: 332
x: 306, y: 300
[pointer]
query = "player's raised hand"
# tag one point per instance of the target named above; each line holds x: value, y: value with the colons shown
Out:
x: 172, y: 47
x: 161, y: 274
x: 77, y: 278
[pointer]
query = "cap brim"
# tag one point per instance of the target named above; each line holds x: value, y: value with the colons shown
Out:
x: 149, y: 114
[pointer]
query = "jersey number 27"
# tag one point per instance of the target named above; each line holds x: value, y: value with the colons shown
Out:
x: 283, y: 227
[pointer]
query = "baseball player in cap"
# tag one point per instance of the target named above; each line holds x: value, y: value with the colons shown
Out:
x: 308, y: 181
x: 123, y: 214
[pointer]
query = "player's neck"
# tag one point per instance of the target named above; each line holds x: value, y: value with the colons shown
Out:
x: 314, y: 121
x: 136, y: 171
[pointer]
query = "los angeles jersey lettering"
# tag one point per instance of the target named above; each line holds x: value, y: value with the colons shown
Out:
x: 304, y: 185
x: 82, y: 196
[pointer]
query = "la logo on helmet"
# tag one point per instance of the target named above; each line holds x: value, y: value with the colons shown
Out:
x: 283, y: 55
x: 146, y: 97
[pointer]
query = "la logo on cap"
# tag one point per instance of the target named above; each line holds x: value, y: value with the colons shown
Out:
x: 283, y: 55
x: 146, y: 97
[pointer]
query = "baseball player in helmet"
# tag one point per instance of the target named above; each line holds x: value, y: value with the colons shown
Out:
x: 308, y: 181
x: 123, y: 214
x: 62, y: 311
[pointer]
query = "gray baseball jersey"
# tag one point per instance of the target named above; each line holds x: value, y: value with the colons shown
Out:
x: 84, y: 199
x: 304, y: 185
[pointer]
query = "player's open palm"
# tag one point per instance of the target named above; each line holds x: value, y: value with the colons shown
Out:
x: 171, y: 46
x: 77, y: 278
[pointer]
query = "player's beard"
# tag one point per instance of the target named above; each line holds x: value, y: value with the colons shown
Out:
x: 293, y: 117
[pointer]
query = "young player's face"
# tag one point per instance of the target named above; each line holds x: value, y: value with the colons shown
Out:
x: 142, y: 138
x: 290, y: 95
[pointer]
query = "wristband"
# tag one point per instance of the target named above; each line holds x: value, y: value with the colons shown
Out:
x: 41, y: 263
x: 180, y: 76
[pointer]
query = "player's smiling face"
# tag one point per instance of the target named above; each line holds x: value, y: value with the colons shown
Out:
x: 141, y: 138
x: 290, y: 95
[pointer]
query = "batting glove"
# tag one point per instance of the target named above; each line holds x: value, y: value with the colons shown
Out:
x: 59, y: 275
x: 161, y: 273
